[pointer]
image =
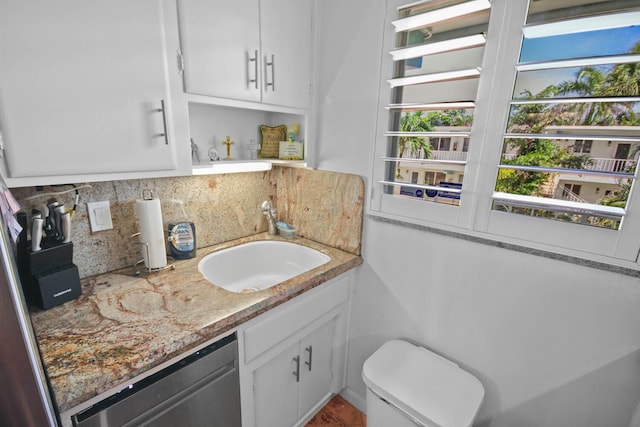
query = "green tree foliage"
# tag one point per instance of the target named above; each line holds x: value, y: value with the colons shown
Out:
x: 449, y: 118
x: 414, y: 122
x: 620, y: 80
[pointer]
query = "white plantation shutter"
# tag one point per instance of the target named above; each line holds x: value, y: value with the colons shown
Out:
x: 436, y: 62
x: 530, y: 144
x: 580, y: 111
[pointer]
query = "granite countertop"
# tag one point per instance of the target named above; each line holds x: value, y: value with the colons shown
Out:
x: 124, y: 325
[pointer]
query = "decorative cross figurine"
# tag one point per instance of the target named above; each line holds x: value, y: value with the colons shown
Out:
x: 228, y: 142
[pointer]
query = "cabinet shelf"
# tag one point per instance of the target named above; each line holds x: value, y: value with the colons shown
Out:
x: 245, y: 105
x: 235, y: 166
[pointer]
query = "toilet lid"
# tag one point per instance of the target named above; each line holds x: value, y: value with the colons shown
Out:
x: 431, y: 389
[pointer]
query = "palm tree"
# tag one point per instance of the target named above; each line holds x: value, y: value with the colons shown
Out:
x: 620, y: 80
x: 533, y: 119
x: 414, y: 122
x: 589, y: 82
x: 624, y: 79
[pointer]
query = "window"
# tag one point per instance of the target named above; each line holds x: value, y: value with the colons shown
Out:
x: 441, y: 144
x: 544, y: 120
x: 465, y: 145
x: 432, y: 178
x: 570, y: 192
x: 582, y: 146
x: 573, y: 79
x: 429, y: 103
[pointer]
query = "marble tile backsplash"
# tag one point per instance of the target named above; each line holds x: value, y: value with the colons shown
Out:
x: 326, y: 206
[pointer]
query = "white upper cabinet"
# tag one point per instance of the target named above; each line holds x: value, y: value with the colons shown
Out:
x: 286, y: 52
x: 248, y: 50
x: 221, y: 48
x: 91, y: 91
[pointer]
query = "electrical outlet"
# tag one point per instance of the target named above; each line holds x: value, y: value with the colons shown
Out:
x: 99, y: 216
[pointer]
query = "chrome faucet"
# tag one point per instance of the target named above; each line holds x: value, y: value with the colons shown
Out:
x: 270, y: 212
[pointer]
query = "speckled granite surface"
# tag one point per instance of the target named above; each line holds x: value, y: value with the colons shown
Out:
x: 326, y: 206
x: 124, y: 325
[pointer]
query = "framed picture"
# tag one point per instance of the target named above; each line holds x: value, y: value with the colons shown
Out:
x: 271, y: 137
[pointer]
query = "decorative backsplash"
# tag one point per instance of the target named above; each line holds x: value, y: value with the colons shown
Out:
x: 327, y: 207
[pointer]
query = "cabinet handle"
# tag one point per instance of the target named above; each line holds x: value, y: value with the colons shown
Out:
x: 255, y: 69
x: 310, y: 351
x: 180, y: 58
x: 164, y: 122
x: 273, y: 73
x: 297, y: 371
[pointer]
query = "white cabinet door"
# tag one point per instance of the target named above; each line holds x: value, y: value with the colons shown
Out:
x: 276, y: 390
x: 85, y: 87
x: 221, y: 46
x: 248, y: 50
x: 316, y: 351
x: 293, y: 357
x: 288, y: 386
x: 286, y: 52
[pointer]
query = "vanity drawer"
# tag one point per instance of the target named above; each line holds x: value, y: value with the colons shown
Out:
x: 274, y: 327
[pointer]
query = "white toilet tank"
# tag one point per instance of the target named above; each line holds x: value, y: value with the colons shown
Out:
x: 409, y: 385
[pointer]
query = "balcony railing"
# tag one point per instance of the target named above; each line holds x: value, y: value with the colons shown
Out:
x: 565, y: 194
x: 611, y: 165
x: 458, y: 156
x: 449, y: 155
x: 599, y: 164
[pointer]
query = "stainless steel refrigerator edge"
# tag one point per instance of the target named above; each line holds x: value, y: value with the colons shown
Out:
x: 25, y: 400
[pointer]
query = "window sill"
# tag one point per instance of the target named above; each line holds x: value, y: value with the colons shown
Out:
x: 614, y: 266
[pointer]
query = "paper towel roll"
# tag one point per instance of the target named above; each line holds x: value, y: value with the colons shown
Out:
x: 149, y: 215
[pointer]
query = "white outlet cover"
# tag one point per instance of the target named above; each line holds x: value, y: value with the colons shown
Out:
x: 99, y: 216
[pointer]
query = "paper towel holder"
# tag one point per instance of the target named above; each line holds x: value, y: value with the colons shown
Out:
x: 149, y: 270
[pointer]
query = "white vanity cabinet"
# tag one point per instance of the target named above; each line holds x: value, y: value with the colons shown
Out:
x: 295, y: 380
x: 248, y: 50
x: 91, y: 91
x: 293, y: 357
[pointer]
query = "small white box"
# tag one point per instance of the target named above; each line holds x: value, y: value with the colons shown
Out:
x: 291, y: 150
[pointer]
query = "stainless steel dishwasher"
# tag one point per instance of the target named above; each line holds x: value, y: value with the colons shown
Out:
x: 200, y: 390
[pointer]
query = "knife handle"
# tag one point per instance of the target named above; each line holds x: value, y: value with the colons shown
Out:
x: 58, y: 212
x: 22, y: 220
x: 36, y: 234
x: 65, y: 221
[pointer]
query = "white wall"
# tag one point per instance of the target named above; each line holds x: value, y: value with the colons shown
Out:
x: 554, y: 344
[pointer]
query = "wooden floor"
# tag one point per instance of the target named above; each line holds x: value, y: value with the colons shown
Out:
x: 338, y: 413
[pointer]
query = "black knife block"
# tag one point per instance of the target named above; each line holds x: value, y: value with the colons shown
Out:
x: 49, y: 277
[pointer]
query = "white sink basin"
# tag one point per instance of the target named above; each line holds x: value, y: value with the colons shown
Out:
x: 255, y: 266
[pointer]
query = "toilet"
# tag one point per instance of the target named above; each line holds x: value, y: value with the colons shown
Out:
x: 409, y: 385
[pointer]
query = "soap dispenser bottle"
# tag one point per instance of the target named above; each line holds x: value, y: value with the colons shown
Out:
x: 182, y: 233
